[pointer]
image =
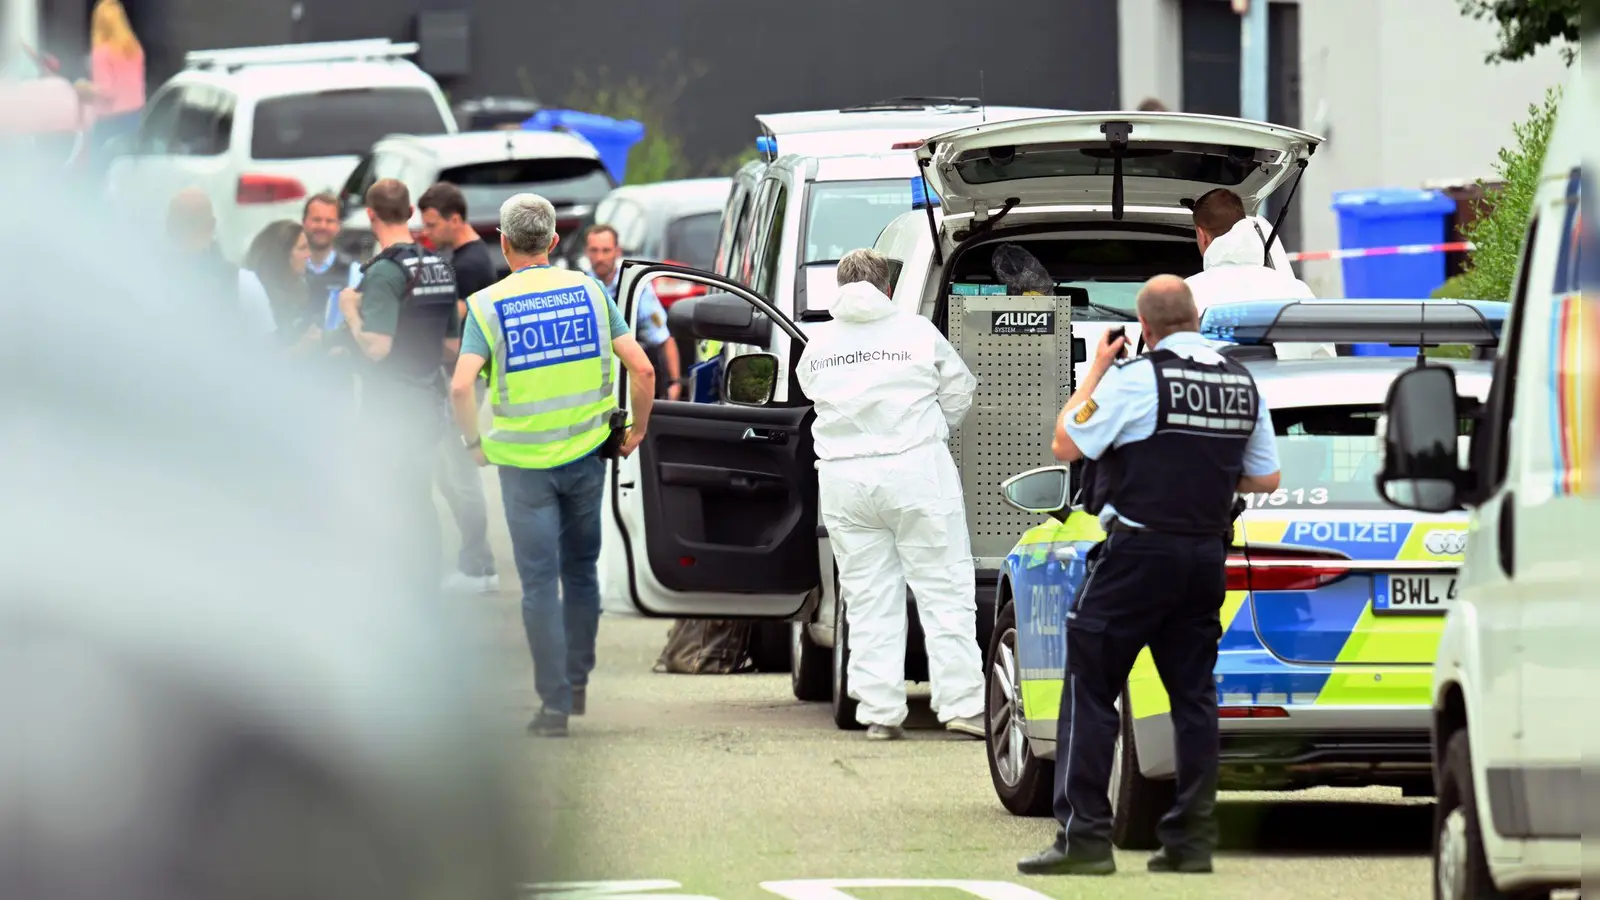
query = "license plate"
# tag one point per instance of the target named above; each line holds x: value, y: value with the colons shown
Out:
x: 1428, y: 595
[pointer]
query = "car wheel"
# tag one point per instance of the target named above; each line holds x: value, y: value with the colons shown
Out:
x: 1023, y: 782
x: 844, y: 706
x: 769, y: 646
x: 1460, y: 867
x: 1137, y: 802
x: 810, y: 666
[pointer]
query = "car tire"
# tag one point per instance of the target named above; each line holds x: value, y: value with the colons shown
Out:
x: 769, y: 646
x: 1137, y: 802
x: 1024, y: 783
x: 810, y: 666
x: 844, y: 706
x: 1460, y: 866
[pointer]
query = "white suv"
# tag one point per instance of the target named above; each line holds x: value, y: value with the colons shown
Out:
x: 262, y: 128
x: 1512, y: 679
x: 488, y: 167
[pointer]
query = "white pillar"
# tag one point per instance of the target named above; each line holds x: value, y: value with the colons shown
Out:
x: 1149, y: 52
x: 1253, y: 61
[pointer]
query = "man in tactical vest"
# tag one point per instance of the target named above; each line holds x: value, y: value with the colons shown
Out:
x: 549, y: 340
x: 1173, y: 435
x: 403, y: 321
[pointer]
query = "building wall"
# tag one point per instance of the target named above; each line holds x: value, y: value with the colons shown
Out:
x: 733, y: 58
x: 1399, y: 89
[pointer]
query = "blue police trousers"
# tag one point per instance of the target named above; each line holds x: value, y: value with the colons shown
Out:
x: 1142, y: 589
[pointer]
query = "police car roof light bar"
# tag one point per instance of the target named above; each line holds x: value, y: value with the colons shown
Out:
x: 1406, y: 323
x: 327, y: 51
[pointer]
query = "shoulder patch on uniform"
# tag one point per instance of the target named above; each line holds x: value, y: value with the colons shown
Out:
x: 1085, y: 412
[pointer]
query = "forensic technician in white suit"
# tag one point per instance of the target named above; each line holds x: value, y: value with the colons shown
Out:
x: 887, y: 388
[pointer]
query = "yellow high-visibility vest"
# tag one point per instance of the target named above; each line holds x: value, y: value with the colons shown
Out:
x: 552, y: 373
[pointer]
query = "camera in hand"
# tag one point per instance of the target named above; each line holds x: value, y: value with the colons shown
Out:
x: 1121, y: 331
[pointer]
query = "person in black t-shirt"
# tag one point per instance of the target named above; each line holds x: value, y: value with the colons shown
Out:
x: 445, y: 228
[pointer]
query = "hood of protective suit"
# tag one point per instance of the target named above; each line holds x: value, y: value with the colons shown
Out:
x: 861, y: 302
x: 1242, y: 245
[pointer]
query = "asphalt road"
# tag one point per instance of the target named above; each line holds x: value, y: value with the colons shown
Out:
x: 714, y: 785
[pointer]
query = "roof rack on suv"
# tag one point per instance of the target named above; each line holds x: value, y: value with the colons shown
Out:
x: 327, y: 51
x: 909, y: 103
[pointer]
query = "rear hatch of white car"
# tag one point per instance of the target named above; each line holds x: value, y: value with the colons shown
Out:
x: 1159, y: 160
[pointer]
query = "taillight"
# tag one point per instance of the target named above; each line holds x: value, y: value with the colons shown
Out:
x: 906, y: 145
x: 1267, y: 570
x: 268, y: 189
x: 1252, y: 712
x: 671, y: 290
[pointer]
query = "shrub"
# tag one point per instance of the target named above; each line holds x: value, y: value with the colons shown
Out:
x: 1497, y: 235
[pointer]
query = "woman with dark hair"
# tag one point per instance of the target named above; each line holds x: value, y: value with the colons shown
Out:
x: 275, y: 271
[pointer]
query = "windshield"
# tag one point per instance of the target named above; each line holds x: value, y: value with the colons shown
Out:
x: 1330, y: 457
x: 1108, y: 300
x: 849, y: 215
x: 563, y: 181
x: 692, y: 240
x: 340, y: 123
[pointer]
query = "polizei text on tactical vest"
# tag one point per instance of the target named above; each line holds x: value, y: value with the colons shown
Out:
x: 859, y: 356
x: 1204, y: 398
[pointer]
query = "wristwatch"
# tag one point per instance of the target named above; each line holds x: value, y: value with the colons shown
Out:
x: 471, y: 444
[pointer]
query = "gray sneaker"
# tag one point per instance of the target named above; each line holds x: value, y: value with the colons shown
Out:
x: 971, y: 726
x: 885, y: 732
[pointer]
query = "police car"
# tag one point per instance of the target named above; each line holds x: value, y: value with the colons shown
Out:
x: 1335, y: 600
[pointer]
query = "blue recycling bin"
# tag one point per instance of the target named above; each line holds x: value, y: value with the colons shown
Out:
x: 1392, y: 217
x: 612, y: 138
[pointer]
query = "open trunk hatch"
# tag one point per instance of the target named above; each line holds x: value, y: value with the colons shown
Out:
x: 1164, y: 160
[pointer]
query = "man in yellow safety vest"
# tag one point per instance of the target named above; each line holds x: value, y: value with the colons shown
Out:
x: 548, y: 340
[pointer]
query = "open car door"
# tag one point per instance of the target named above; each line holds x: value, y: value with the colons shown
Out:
x: 717, y: 508
x: 1110, y: 159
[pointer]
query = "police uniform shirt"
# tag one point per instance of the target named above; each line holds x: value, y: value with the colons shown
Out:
x: 1124, y: 406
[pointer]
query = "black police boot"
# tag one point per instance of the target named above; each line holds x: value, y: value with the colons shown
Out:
x: 1056, y: 861
x: 580, y: 700
x: 1165, y: 860
x: 548, y: 724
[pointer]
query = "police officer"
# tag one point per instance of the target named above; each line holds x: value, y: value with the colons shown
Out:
x: 1172, y: 435
x: 402, y: 319
x: 549, y: 341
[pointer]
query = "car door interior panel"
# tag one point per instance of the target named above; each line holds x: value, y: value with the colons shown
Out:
x: 730, y: 498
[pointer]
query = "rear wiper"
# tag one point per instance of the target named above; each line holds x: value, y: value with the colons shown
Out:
x: 821, y: 262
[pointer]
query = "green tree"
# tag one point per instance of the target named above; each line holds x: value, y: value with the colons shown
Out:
x: 1503, y: 221
x: 660, y: 154
x: 1527, y: 25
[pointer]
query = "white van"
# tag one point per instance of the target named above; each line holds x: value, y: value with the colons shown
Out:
x: 716, y: 516
x: 1509, y: 705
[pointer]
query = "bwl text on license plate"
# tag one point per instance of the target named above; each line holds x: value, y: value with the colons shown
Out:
x: 1419, y: 594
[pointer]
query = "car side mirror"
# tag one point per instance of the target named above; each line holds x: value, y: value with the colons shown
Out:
x: 1421, y: 468
x: 750, y: 380
x: 720, y: 317
x: 1042, y: 491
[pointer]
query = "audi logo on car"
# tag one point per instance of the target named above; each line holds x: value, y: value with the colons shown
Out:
x: 1445, y: 543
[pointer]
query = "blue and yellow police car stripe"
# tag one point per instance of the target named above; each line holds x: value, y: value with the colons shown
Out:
x: 1363, y: 659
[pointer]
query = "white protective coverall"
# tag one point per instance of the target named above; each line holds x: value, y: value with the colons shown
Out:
x: 1234, y: 272
x: 887, y: 388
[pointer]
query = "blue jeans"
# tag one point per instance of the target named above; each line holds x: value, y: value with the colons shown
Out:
x: 554, y: 519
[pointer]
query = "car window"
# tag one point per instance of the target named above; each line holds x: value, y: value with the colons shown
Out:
x: 766, y: 271
x: 160, y: 122
x: 222, y: 127
x: 564, y: 181
x: 1330, y: 456
x: 744, y: 263
x: 693, y: 239
x: 354, y: 192
x: 340, y: 123
x: 733, y: 214
x: 1219, y: 168
x: 847, y: 215
x: 738, y: 236
x: 629, y: 221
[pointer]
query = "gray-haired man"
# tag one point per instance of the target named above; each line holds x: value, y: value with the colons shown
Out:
x: 549, y: 341
x: 888, y: 388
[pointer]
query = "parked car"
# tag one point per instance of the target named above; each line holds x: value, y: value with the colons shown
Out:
x: 669, y: 221
x: 489, y: 167
x: 261, y: 128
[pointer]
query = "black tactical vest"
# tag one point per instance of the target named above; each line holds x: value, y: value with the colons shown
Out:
x: 1182, y: 479
x: 425, y: 313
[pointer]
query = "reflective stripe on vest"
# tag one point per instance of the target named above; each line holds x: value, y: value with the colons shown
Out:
x: 552, y: 368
